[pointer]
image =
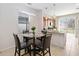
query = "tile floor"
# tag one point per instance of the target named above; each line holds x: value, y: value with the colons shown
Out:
x: 55, y: 51
x: 71, y: 49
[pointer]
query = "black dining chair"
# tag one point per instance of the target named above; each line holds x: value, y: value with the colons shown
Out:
x: 20, y: 46
x: 44, y: 47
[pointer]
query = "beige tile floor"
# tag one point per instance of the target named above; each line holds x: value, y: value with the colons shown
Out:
x: 55, y: 51
x: 71, y: 49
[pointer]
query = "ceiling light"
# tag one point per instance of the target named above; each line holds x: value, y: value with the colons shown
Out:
x: 54, y: 16
x: 29, y: 3
x: 77, y: 5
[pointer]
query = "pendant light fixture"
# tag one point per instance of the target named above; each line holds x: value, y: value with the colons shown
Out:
x: 54, y: 9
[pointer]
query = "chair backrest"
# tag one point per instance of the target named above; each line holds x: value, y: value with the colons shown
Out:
x: 17, y: 41
x: 46, y: 41
x: 44, y: 31
x: 27, y: 31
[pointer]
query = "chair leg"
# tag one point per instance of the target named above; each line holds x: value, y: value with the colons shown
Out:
x: 25, y: 50
x: 19, y: 53
x: 15, y: 51
x: 30, y: 50
x: 49, y: 52
x: 43, y: 53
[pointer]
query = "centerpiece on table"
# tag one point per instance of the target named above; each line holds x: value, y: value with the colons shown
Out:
x: 33, y: 29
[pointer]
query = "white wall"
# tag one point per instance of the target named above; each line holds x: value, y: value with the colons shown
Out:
x: 8, y: 25
x: 9, y: 22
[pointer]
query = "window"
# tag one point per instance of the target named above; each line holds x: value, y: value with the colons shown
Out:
x: 67, y: 23
x: 23, y: 20
x: 23, y: 23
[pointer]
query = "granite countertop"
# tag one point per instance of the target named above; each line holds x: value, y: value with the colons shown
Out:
x: 55, y: 31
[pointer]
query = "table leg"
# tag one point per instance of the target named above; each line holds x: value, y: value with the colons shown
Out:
x: 34, y: 47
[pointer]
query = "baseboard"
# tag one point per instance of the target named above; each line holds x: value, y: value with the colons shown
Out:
x: 1, y: 50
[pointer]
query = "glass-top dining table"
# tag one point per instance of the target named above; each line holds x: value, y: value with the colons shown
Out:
x: 33, y: 36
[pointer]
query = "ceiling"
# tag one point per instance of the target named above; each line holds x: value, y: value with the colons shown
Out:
x: 59, y: 7
x: 50, y: 5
